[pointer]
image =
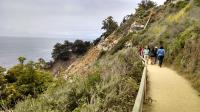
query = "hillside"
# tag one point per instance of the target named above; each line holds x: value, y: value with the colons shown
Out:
x: 179, y: 32
x: 107, y: 77
x: 109, y: 85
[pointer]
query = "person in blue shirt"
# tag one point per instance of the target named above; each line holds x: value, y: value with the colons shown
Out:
x: 161, y: 55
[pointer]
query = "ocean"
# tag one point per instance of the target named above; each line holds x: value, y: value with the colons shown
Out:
x: 31, y: 48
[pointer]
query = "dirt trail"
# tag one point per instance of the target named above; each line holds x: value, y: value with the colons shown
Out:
x: 171, y: 92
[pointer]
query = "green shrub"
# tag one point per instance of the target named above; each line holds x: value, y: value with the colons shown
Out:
x: 181, y: 4
x: 197, y: 3
x: 93, y: 78
x: 22, y: 81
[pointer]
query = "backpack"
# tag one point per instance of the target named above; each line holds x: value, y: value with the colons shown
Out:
x: 151, y: 53
x: 161, y: 52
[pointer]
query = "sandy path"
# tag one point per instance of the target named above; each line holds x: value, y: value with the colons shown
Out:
x: 171, y: 92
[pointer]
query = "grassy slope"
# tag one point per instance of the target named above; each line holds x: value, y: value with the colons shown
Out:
x: 179, y: 31
x: 110, y: 85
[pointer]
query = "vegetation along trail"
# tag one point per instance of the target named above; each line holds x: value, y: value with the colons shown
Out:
x: 170, y: 92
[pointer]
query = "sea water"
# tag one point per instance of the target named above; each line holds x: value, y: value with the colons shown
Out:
x: 31, y: 48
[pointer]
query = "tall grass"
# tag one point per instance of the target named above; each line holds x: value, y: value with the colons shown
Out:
x: 110, y: 86
x: 197, y: 3
x: 176, y: 18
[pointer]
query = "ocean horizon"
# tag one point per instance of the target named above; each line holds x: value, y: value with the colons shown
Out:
x: 32, y: 48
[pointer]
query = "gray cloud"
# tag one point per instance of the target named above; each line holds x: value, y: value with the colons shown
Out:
x: 60, y: 18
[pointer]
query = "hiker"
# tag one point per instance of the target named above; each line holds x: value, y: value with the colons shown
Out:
x: 161, y: 54
x: 155, y: 53
x: 152, y: 55
x: 146, y: 54
x: 140, y: 51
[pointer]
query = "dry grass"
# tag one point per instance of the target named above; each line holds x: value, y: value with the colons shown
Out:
x: 176, y: 18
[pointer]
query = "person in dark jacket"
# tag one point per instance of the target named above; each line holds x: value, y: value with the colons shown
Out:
x: 152, y: 55
x: 161, y: 54
x: 155, y: 53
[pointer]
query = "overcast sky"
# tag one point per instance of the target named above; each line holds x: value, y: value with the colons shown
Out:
x: 60, y: 18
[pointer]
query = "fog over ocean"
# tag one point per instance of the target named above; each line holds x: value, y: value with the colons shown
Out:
x: 31, y: 48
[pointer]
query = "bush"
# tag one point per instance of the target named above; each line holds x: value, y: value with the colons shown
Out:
x: 197, y: 3
x: 22, y: 81
x: 176, y: 18
x: 181, y: 4
x: 93, y: 78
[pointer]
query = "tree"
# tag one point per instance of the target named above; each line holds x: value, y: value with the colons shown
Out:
x: 109, y: 25
x: 80, y: 47
x: 143, y: 10
x: 62, y: 51
x: 150, y: 4
x: 144, y: 6
x: 21, y: 60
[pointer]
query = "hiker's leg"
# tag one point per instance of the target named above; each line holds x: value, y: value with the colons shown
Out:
x: 156, y: 58
x: 146, y: 59
x: 161, y: 60
x: 152, y: 60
